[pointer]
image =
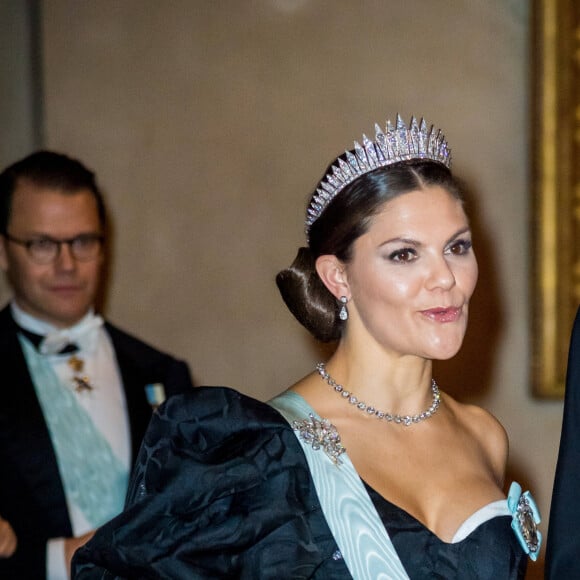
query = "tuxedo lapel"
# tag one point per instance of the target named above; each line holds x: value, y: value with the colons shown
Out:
x: 133, y: 368
x: 25, y: 444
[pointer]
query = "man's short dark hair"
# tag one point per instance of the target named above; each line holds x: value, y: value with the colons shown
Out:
x: 51, y: 170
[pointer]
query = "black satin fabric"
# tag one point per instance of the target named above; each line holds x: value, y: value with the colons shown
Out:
x: 221, y: 489
x: 491, y: 551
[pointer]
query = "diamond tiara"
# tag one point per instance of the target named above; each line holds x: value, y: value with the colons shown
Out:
x: 399, y: 143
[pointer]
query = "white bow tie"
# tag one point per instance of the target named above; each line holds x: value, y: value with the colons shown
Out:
x: 84, y: 335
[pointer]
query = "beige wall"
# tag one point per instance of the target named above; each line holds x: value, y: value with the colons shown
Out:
x: 209, y: 123
x: 19, y: 93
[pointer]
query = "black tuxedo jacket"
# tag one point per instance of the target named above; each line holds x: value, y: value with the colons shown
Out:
x: 563, y: 546
x: 32, y: 497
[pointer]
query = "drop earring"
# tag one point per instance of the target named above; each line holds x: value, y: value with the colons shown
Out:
x: 343, y: 312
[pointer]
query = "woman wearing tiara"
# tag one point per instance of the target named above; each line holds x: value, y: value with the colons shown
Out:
x: 363, y: 469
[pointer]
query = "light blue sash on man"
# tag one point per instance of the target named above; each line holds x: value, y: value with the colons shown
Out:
x: 352, y: 518
x: 93, y: 477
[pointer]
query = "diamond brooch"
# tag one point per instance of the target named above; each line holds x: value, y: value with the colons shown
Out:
x: 525, y: 519
x: 320, y: 434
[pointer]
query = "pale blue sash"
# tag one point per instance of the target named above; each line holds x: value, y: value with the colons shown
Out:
x: 93, y: 477
x: 351, y: 515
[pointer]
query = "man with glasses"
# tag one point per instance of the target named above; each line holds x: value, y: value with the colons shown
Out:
x: 76, y: 392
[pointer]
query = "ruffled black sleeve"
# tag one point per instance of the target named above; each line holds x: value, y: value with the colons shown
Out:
x: 221, y: 489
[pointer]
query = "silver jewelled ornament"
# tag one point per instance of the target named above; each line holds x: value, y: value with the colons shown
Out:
x: 343, y: 312
x: 398, y: 143
x: 320, y: 434
x: 527, y: 523
x: 405, y: 420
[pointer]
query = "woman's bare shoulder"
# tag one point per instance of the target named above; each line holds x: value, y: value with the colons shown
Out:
x: 485, y: 429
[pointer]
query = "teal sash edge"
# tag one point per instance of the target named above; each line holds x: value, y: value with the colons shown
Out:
x: 349, y: 511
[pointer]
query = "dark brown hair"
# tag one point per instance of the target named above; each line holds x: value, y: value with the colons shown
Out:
x: 346, y: 218
x: 50, y: 170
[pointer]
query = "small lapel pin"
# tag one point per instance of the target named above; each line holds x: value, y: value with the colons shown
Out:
x: 155, y: 393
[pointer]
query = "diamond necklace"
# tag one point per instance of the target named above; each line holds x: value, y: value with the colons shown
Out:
x: 405, y: 420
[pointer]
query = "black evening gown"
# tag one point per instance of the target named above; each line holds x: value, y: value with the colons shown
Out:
x: 221, y: 489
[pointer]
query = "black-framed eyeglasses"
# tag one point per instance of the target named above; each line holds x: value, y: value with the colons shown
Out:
x: 44, y: 249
